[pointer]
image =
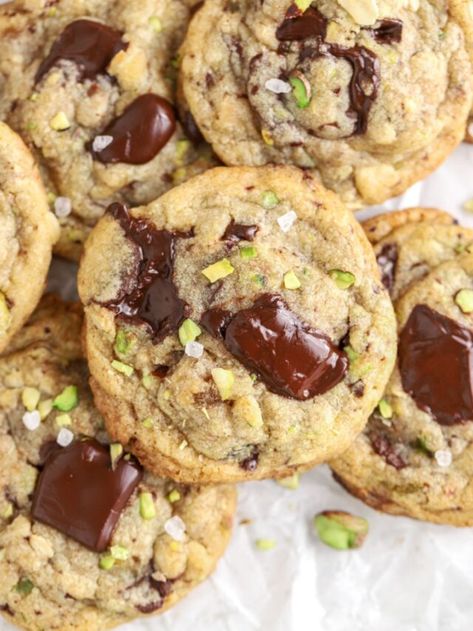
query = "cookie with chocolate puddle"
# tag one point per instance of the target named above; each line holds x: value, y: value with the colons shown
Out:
x: 90, y: 86
x: 243, y: 314
x: 88, y: 538
x: 369, y: 97
x: 415, y: 451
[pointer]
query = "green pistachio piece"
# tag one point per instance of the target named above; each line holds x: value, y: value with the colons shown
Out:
x: 67, y: 400
x: 303, y: 5
x: 174, y: 496
x: 155, y: 24
x: 269, y: 199
x: 218, y: 270
x: 341, y: 530
x: 44, y: 408
x: 343, y: 280
x: 119, y: 553
x: 106, y: 562
x: 147, y: 422
x: 189, y: 331
x: 224, y: 380
x: 147, y: 507
x: 116, y: 451
x: 300, y: 91
x: 265, y: 544
x: 464, y: 299
x: 420, y: 444
x: 259, y: 279
x: 291, y: 281
x: 125, y: 369
x: 60, y: 122
x: 24, y: 586
x: 63, y: 420
x: 30, y: 398
x: 385, y: 409
x: 123, y: 342
x: 352, y: 355
x: 248, y: 252
x: 147, y: 381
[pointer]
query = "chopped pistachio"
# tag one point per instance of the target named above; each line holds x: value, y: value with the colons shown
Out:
x: 385, y: 409
x: 59, y: 122
x: 259, y: 279
x: 420, y: 444
x: 248, y: 410
x: 352, y: 355
x: 116, y: 451
x: 342, y: 279
x: 189, y: 331
x: 5, y: 316
x: 67, y: 400
x: 341, y: 530
x: 182, y: 147
x: 267, y: 137
x: 106, y: 562
x: 303, y: 5
x: 464, y: 299
x: 291, y: 281
x: 218, y: 270
x: 122, y: 342
x: 125, y: 369
x: 269, y: 200
x: 34, y: 97
x: 265, y: 544
x: 147, y: 422
x: 224, y: 380
x: 30, y: 398
x: 147, y: 381
x: 301, y: 90
x: 291, y: 482
x: 248, y: 252
x: 147, y: 507
x: 44, y: 408
x: 62, y: 420
x: 174, y: 496
x: 155, y: 24
x: 24, y: 586
x: 119, y: 553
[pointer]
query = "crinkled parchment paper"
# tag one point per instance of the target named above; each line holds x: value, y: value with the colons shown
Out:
x: 409, y: 576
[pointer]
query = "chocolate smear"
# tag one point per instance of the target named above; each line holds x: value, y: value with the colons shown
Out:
x: 236, y: 232
x: 388, y: 31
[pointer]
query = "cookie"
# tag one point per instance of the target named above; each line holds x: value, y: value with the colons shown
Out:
x: 221, y: 321
x: 414, y: 456
x: 28, y: 231
x: 370, y: 96
x: 88, y: 539
x: 90, y: 87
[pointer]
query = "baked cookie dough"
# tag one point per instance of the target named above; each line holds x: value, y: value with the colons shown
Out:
x: 369, y: 95
x: 90, y: 85
x: 28, y: 231
x: 120, y: 543
x: 415, y: 455
x: 234, y: 329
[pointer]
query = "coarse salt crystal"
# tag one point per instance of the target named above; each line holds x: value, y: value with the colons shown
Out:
x: 175, y: 528
x: 277, y: 86
x: 101, y: 142
x: 31, y: 420
x: 443, y: 457
x: 65, y: 437
x: 286, y: 221
x: 194, y: 349
x: 62, y: 207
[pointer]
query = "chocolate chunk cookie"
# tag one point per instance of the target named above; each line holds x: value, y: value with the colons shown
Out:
x: 28, y: 231
x: 235, y: 329
x: 414, y: 456
x: 369, y: 95
x: 88, y: 539
x: 90, y: 86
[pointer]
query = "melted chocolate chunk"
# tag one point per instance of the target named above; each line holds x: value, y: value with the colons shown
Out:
x: 383, y: 447
x: 239, y: 232
x: 291, y: 358
x: 90, y: 45
x: 153, y: 300
x: 436, y: 364
x: 298, y: 27
x: 387, y: 260
x: 140, y: 132
x: 215, y: 321
x: 80, y: 495
x: 191, y: 129
x: 389, y: 31
x: 250, y: 463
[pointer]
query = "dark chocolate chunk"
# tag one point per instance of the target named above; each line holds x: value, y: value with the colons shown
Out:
x: 215, y: 321
x: 89, y: 44
x: 387, y: 260
x: 153, y: 299
x: 388, y: 31
x: 235, y: 232
x: 191, y: 129
x: 79, y: 493
x: 384, y: 447
x: 291, y: 358
x: 250, y: 463
x: 298, y: 27
x: 140, y: 132
x: 436, y: 364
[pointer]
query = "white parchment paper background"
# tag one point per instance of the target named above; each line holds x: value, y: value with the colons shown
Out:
x: 409, y: 576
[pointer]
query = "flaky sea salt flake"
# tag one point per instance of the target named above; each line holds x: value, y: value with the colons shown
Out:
x: 175, y: 528
x: 278, y: 86
x: 287, y: 220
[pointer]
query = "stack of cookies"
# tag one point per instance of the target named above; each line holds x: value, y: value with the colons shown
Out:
x: 203, y: 162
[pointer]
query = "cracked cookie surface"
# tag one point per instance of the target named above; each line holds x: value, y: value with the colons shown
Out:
x: 225, y: 314
x: 370, y: 96
x: 28, y: 231
x: 414, y: 456
x: 90, y: 87
x: 160, y: 547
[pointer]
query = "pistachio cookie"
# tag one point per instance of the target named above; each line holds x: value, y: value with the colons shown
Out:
x: 415, y: 455
x: 90, y: 86
x: 88, y: 539
x: 370, y: 95
x: 28, y: 231
x: 234, y: 329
